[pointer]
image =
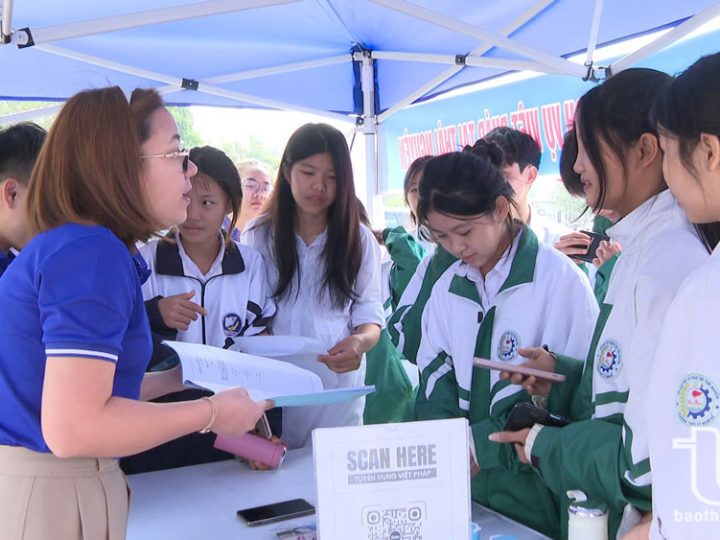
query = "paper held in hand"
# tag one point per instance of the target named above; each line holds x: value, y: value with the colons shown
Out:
x: 217, y: 369
x: 278, y: 346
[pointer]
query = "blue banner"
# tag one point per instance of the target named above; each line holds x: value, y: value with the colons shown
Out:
x: 543, y: 106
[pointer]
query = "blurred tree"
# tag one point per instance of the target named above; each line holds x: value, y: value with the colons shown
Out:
x: 186, y: 125
x: 11, y: 107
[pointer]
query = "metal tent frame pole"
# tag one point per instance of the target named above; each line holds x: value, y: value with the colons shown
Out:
x: 523, y: 19
x: 29, y: 115
x: 369, y: 129
x: 663, y: 41
x: 178, y: 84
x: 594, y: 32
x: 556, y: 63
x: 6, y: 19
x: 278, y: 70
x: 469, y: 60
x: 48, y: 34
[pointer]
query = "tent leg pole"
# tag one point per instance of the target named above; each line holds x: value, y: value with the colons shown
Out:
x: 6, y: 29
x: 369, y: 130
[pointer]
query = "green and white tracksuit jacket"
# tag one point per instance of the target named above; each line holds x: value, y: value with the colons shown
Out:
x: 539, y: 297
x: 605, y: 452
x: 404, y: 324
x: 394, y: 396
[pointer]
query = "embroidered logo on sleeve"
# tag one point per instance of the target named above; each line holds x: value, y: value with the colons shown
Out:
x: 697, y: 401
x: 232, y: 324
x: 508, y: 346
x: 608, y: 359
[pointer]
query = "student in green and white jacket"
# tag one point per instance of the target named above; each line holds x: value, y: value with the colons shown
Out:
x: 605, y: 452
x: 506, y: 290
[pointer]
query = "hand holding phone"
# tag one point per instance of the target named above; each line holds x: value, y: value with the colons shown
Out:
x: 521, y: 369
x: 525, y: 415
x: 270, y: 513
x: 536, y: 358
x: 595, y: 240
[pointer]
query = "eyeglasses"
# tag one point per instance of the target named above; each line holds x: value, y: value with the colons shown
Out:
x: 255, y: 187
x: 185, y: 154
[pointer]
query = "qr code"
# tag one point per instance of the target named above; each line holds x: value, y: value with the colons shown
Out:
x: 403, y: 523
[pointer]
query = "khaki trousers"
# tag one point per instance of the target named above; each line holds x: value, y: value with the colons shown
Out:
x: 43, y: 497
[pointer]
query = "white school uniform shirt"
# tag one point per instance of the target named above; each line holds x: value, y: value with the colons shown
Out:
x: 308, y: 311
x: 683, y: 412
x: 660, y: 249
x: 538, y: 296
x: 234, y: 291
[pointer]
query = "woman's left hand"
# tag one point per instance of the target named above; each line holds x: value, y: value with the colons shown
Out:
x: 345, y: 356
x: 517, y: 437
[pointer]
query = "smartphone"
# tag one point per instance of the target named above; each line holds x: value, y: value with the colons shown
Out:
x: 262, y: 428
x: 524, y: 415
x: 270, y: 513
x: 524, y: 370
x: 595, y: 240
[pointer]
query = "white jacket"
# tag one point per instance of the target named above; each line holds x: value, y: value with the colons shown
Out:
x: 234, y: 291
x: 660, y: 249
x: 683, y: 412
x: 525, y: 307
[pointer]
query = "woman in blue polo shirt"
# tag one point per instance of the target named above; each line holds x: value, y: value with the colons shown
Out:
x: 74, y: 337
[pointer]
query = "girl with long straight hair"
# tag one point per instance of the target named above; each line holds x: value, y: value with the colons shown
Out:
x: 324, y: 269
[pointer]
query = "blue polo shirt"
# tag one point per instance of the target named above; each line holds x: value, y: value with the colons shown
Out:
x: 5, y: 260
x: 72, y: 291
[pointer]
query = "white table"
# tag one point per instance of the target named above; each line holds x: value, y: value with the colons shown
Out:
x: 200, y: 502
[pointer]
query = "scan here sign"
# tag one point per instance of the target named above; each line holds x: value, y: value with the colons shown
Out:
x: 393, y: 481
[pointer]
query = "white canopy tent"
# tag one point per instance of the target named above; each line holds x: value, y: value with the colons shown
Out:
x: 356, y: 60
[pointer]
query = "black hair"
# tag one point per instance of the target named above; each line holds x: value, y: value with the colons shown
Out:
x: 216, y: 165
x: 687, y: 107
x: 517, y: 147
x: 568, y: 156
x: 343, y: 249
x: 416, y: 168
x: 19, y: 148
x: 618, y: 112
x: 464, y: 183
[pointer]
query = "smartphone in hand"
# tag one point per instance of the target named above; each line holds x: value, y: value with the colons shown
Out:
x: 524, y: 370
x: 525, y: 414
x: 595, y: 240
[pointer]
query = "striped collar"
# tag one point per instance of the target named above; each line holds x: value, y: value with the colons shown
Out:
x: 168, y: 260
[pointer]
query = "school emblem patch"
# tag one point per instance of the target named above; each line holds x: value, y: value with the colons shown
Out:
x: 508, y: 346
x: 232, y: 324
x: 608, y: 359
x: 697, y: 401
